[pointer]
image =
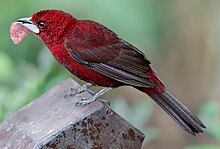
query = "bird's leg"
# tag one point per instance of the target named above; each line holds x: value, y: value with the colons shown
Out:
x: 79, y: 90
x: 95, y: 97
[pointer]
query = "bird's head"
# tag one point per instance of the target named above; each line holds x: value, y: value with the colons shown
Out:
x: 50, y: 25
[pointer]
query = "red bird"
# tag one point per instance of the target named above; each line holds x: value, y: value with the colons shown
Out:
x: 97, y: 55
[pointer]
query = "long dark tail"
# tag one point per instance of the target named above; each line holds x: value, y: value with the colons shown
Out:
x: 180, y: 113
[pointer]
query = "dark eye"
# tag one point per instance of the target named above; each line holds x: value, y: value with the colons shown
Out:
x: 41, y: 24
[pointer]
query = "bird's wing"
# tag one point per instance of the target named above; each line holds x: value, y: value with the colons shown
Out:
x: 119, y: 61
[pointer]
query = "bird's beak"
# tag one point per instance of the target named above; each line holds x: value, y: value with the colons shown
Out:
x: 26, y: 22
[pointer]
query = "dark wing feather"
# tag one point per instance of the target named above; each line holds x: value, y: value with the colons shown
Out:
x: 119, y: 61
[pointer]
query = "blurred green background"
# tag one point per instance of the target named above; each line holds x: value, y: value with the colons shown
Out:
x: 181, y: 38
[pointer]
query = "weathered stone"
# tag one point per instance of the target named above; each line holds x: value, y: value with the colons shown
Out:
x: 54, y: 122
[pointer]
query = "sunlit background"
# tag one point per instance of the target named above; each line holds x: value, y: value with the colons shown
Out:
x: 181, y: 38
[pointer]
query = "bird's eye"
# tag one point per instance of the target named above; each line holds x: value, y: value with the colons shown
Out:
x: 41, y: 24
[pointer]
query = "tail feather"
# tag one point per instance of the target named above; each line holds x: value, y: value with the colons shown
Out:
x: 180, y: 113
x: 195, y: 118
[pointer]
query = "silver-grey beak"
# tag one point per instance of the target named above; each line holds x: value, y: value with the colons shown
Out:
x: 26, y: 22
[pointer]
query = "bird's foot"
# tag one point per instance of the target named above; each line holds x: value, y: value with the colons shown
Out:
x: 86, y: 101
x: 79, y: 90
x: 95, y: 97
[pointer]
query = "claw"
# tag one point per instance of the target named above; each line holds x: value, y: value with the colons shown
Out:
x: 79, y: 90
x: 83, y: 101
x: 95, y: 97
x: 87, y: 101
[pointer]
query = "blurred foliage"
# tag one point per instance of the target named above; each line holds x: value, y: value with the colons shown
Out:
x: 210, y: 115
x: 203, y: 147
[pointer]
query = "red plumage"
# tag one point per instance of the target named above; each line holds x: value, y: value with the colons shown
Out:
x: 97, y: 55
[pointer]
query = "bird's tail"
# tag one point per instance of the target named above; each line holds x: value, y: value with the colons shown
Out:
x: 180, y: 113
